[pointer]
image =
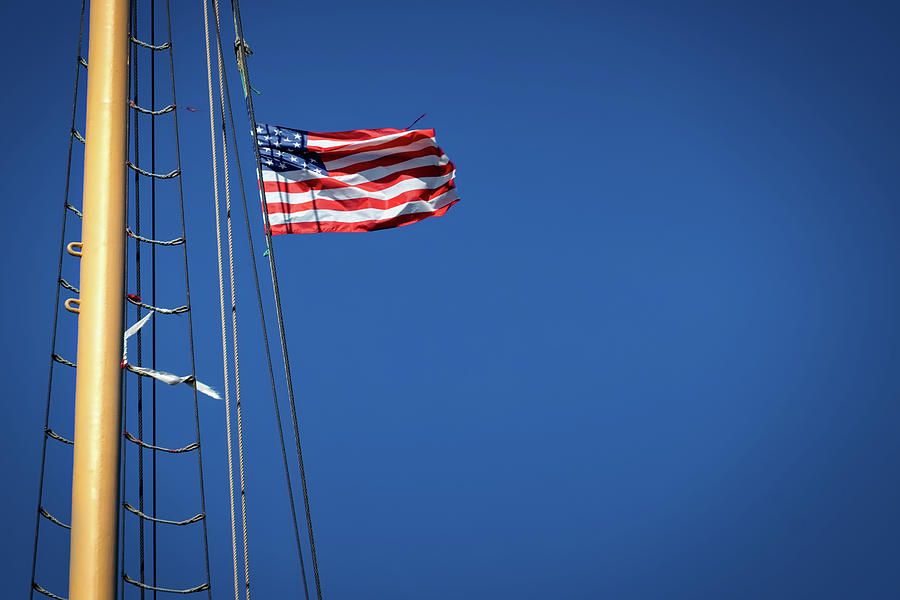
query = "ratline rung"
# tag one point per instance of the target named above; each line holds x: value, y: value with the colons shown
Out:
x: 133, y: 510
x: 82, y: 62
x: 38, y: 588
x: 175, y: 242
x: 68, y: 285
x: 74, y: 210
x: 62, y: 360
x: 155, y: 113
x: 78, y: 136
x: 199, y: 588
x: 143, y: 444
x: 174, y: 173
x: 51, y: 518
x: 163, y: 311
x: 165, y: 46
x: 56, y: 436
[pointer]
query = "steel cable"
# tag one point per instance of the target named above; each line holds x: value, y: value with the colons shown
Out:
x: 53, y: 331
x: 266, y: 345
x: 153, y: 112
x: 135, y: 72
x: 187, y: 286
x: 242, y: 65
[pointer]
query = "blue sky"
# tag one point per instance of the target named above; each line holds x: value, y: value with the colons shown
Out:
x: 651, y: 353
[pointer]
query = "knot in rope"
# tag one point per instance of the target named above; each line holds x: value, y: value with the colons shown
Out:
x: 241, y: 45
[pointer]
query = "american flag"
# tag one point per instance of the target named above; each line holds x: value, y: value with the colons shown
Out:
x: 358, y: 180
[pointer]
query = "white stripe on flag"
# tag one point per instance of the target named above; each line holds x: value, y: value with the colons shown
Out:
x: 314, y: 144
x: 333, y: 165
x: 366, y: 214
x: 361, y: 177
x: 352, y: 193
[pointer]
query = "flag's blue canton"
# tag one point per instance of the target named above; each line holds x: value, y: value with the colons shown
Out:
x: 284, y: 149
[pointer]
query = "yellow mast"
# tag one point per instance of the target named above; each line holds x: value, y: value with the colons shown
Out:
x: 95, y: 476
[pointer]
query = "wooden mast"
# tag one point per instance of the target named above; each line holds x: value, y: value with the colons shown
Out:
x: 95, y: 475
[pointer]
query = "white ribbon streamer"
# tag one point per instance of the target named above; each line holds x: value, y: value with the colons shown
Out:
x: 169, y: 378
x: 131, y: 331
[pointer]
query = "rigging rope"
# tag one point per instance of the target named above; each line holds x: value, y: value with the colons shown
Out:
x: 263, y: 328
x: 187, y: 287
x: 188, y: 448
x: 151, y: 46
x: 38, y: 588
x: 165, y: 311
x: 175, y: 242
x: 52, y: 519
x: 144, y: 586
x: 148, y: 581
x: 124, y: 419
x: 153, y: 112
x: 237, y: 371
x: 241, y: 46
x: 212, y: 135
x: 150, y: 111
x: 58, y: 437
x: 68, y: 285
x: 169, y: 175
x: 135, y: 511
x: 54, y: 356
x: 135, y: 63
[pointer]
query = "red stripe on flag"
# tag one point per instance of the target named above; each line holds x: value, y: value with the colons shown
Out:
x: 377, y: 185
x: 338, y: 152
x: 275, y: 205
x: 334, y: 226
x: 355, y: 135
x: 384, y: 161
